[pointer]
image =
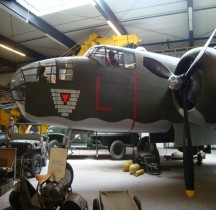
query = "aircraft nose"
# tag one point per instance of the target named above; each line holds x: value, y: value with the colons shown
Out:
x: 18, y: 89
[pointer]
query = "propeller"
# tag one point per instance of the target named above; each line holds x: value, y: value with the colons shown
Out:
x: 182, y: 83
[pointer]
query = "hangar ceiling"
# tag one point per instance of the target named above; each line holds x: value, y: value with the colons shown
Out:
x: 161, y: 24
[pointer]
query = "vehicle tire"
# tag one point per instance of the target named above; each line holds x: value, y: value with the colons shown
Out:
x: 69, y: 174
x: 135, y: 156
x: 117, y: 150
x: 96, y: 204
x: 138, y: 203
x: 54, y: 143
x: 44, y: 161
x: 14, y: 200
x: 44, y: 154
x: 109, y: 147
x: 36, y: 164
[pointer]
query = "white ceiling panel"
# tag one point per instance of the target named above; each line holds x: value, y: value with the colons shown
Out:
x: 46, y: 46
x: 198, y: 4
x: 73, y: 16
x: 153, y: 30
x: 154, y: 21
x: 146, y: 9
x: 204, y: 23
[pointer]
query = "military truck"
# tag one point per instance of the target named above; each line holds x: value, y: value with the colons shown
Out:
x: 115, y: 142
x: 57, y: 135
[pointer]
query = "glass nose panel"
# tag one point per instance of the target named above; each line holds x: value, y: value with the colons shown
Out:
x: 17, y: 85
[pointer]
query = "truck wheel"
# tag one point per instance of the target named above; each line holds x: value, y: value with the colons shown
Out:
x: 117, y: 150
x: 69, y: 174
x: 53, y: 143
x: 36, y: 164
x: 109, y: 145
x: 135, y: 156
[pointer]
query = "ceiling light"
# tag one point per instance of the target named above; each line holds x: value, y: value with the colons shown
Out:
x: 12, y: 50
x: 114, y: 28
x: 93, y: 3
x: 41, y: 7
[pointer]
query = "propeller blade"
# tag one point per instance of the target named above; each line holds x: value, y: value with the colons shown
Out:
x: 156, y: 67
x: 191, y: 70
x: 187, y: 151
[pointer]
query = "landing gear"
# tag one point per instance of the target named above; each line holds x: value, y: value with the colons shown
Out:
x: 147, y: 155
x: 200, y: 156
x: 199, y: 159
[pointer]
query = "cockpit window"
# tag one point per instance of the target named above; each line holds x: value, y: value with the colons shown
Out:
x: 98, y: 54
x: 112, y: 57
x: 129, y: 60
x: 65, y: 70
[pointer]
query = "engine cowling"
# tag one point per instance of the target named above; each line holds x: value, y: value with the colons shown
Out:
x: 201, y: 92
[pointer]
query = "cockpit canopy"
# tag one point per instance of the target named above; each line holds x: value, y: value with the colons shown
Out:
x: 112, y: 56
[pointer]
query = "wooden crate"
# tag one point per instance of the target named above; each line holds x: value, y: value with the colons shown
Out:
x: 7, y: 166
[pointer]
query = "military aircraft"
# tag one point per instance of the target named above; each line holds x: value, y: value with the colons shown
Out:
x: 138, y: 92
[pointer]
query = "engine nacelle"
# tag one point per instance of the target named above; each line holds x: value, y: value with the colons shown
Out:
x: 201, y: 93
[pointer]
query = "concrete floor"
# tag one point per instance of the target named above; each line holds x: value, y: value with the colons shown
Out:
x: 164, y: 191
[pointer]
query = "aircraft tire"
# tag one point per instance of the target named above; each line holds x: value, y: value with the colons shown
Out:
x: 54, y: 143
x: 117, y: 150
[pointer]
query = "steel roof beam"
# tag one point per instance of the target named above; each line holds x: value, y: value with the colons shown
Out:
x: 17, y: 10
x: 190, y: 21
x: 8, y: 63
x: 108, y: 14
x: 28, y: 52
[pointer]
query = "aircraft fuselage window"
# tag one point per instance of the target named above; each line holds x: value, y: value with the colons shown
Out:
x: 66, y: 70
x: 46, y: 71
x: 42, y: 74
x: 50, y: 73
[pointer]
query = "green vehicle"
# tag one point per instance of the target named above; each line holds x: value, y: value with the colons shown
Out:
x: 56, y: 137
x: 32, y: 145
x: 115, y: 142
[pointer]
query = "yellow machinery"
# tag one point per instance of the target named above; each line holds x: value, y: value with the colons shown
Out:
x: 5, y: 115
x: 14, y: 112
x: 96, y: 39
